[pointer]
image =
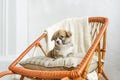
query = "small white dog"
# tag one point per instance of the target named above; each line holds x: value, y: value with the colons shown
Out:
x: 63, y: 44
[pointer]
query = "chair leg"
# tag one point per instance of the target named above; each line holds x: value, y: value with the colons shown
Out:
x: 99, y: 76
x: 104, y: 75
x: 22, y: 77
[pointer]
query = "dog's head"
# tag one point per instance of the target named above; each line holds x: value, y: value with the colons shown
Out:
x: 62, y: 37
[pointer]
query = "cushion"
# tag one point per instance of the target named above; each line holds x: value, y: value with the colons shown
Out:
x: 51, y: 64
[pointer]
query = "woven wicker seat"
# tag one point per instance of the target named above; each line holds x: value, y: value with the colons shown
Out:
x: 98, y: 33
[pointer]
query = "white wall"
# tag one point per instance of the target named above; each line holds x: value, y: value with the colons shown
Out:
x: 7, y: 27
x: 13, y: 27
x: 21, y: 26
x: 1, y: 24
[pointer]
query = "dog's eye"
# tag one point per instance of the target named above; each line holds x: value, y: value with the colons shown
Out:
x: 61, y: 37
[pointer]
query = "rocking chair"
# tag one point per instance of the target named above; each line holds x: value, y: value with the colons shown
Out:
x: 98, y: 34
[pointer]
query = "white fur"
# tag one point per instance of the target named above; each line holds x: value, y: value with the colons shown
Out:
x: 65, y: 50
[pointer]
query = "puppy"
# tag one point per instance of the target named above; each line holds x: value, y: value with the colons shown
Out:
x: 63, y: 44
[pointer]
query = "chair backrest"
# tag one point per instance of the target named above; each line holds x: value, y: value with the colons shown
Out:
x: 95, y: 27
x: 96, y: 23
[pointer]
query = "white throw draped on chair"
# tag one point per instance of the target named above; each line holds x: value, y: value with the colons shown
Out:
x: 80, y: 29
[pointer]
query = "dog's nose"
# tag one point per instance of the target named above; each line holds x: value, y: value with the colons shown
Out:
x: 58, y: 42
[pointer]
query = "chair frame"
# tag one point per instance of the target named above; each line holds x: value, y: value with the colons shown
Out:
x: 80, y: 73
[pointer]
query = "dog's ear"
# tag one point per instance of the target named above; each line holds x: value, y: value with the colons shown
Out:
x: 68, y: 33
x: 54, y: 37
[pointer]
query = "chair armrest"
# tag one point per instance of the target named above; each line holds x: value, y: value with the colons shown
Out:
x: 5, y: 73
x: 91, y: 50
x: 27, y: 50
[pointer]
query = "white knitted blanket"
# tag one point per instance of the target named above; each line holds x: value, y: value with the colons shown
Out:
x: 80, y: 34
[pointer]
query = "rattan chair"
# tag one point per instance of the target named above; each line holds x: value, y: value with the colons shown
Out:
x: 80, y: 73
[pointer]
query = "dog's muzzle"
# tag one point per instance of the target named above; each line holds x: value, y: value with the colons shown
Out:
x: 59, y: 41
